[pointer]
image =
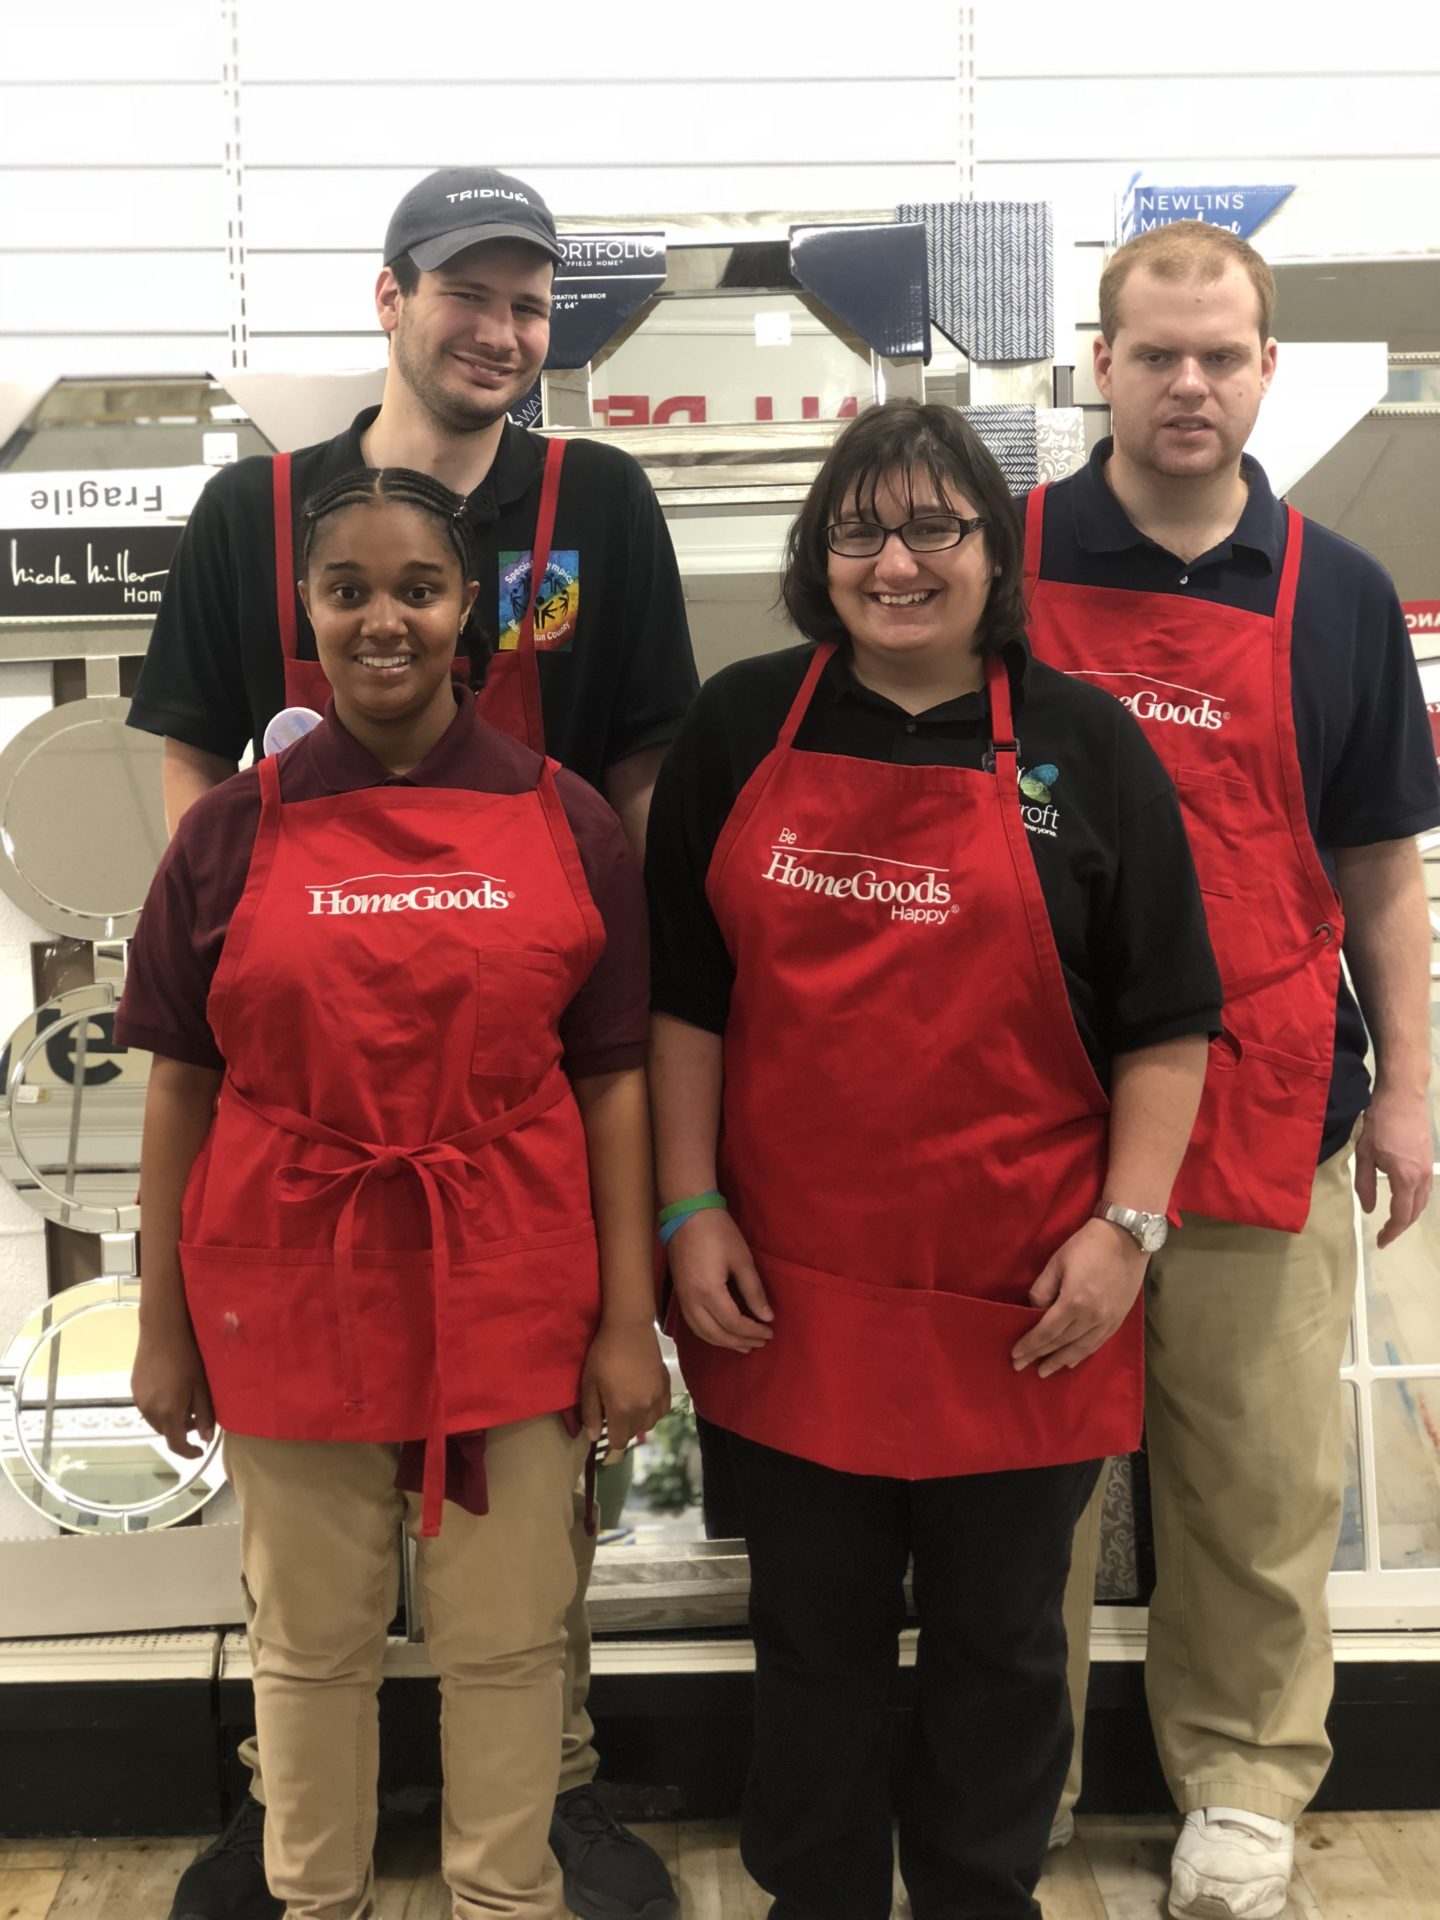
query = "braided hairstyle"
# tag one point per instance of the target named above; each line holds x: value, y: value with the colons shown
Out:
x: 363, y: 486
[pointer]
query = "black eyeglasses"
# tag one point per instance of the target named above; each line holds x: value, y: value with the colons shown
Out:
x: 926, y: 533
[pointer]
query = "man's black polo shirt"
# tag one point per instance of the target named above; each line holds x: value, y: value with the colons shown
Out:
x: 1364, y: 738
x: 1100, y: 810
x: 618, y: 682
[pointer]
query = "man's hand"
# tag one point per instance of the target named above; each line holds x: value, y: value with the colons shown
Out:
x: 170, y: 1389
x: 624, y: 1384
x: 1395, y: 1140
x: 1088, y: 1286
x: 709, y: 1257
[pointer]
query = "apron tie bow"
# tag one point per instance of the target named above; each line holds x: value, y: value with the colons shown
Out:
x: 445, y: 1170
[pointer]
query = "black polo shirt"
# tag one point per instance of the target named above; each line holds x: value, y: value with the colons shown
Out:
x: 1101, y: 813
x: 1363, y: 735
x: 617, y: 682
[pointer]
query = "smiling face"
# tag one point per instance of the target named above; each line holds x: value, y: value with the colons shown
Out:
x: 469, y: 341
x: 386, y: 599
x: 1186, y: 372
x: 919, y: 609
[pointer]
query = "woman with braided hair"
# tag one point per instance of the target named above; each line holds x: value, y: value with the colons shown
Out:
x: 404, y: 1256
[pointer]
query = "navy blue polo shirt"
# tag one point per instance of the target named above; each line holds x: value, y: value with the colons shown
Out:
x: 1366, y: 757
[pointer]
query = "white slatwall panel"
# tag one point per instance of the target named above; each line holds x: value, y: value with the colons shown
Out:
x: 1272, y: 117
x: 224, y: 168
x: 325, y: 293
x: 1341, y: 101
x: 316, y: 352
x: 143, y: 207
x: 111, y: 41
x: 1285, y: 37
x: 280, y: 202
x: 115, y: 292
x: 44, y: 357
x: 610, y: 123
x: 574, y: 42
x: 144, y: 124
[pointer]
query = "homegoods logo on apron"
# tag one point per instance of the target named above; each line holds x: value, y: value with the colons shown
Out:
x: 410, y: 893
x: 1161, y: 700
x: 911, y: 892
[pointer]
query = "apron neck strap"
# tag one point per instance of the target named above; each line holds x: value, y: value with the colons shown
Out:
x: 800, y: 705
x: 544, y: 534
x: 997, y: 681
x: 1002, y: 722
x: 284, y: 556
x: 1290, y: 569
x: 526, y: 666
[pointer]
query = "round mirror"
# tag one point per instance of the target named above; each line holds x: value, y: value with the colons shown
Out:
x: 82, y: 824
x: 71, y: 1109
x: 71, y: 1440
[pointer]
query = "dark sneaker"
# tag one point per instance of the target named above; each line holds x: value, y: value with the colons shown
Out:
x: 227, y: 1882
x: 610, y: 1873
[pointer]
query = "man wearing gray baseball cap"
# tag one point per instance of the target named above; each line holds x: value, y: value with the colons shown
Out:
x: 592, y: 665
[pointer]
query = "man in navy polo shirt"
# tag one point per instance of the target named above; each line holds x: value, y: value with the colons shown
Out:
x: 1269, y: 663
x: 464, y: 296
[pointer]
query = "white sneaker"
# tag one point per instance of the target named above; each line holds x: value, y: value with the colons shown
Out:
x: 1062, y: 1830
x: 1231, y: 1865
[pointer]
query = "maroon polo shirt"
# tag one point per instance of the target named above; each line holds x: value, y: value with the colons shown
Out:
x: 197, y: 888
x: 200, y: 881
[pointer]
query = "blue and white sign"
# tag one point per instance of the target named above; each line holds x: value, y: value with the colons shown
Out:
x: 1239, y: 209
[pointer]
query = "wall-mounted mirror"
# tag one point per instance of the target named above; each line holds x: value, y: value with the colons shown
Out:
x: 82, y: 825
x: 728, y: 334
x: 71, y: 1108
x: 71, y: 1441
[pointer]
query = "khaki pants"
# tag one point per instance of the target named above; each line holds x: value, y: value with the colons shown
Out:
x: 1245, y: 1333
x: 579, y: 1761
x: 318, y: 1525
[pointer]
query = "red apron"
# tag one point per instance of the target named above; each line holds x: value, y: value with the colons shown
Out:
x: 911, y: 1124
x: 510, y: 697
x: 388, y: 1234
x: 1211, y: 687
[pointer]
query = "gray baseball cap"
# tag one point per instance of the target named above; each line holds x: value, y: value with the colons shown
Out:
x: 461, y: 206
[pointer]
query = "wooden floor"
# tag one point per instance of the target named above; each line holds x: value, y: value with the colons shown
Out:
x: 1357, y: 1866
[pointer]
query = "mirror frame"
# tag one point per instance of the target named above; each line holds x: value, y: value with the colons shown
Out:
x: 79, y: 1003
x: 200, y: 1479
x: 57, y: 916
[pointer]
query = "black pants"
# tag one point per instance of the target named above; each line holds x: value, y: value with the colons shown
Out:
x: 991, y: 1730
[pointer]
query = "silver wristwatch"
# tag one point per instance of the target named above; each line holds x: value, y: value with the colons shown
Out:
x: 1148, y: 1230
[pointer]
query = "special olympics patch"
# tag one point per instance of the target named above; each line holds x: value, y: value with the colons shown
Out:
x: 557, y: 605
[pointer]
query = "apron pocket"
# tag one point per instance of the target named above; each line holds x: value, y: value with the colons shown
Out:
x: 279, y: 1342
x: 1256, y: 1144
x: 1213, y: 805
x: 913, y: 1384
x: 519, y: 997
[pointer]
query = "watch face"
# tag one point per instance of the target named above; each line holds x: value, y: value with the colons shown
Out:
x: 1153, y: 1233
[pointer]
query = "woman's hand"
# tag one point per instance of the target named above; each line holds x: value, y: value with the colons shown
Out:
x: 169, y: 1386
x: 624, y: 1385
x: 1088, y: 1286
x: 708, y: 1256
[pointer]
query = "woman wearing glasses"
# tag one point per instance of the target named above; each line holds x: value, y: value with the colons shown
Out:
x: 932, y: 994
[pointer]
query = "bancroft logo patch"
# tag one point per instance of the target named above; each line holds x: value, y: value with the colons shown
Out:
x: 1037, y: 810
x: 411, y: 893
x: 1162, y: 700
x: 907, y: 892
